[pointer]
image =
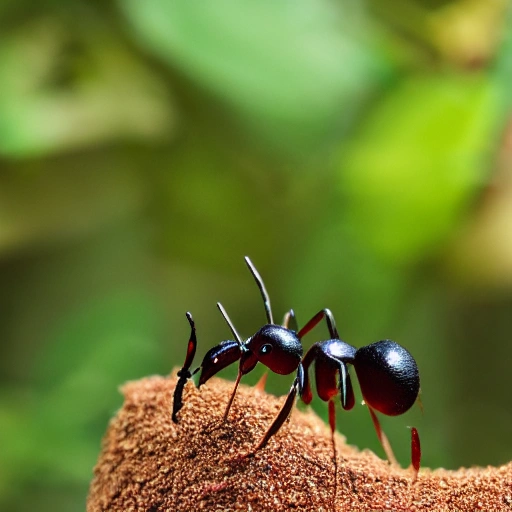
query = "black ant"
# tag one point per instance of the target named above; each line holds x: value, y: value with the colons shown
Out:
x: 387, y: 373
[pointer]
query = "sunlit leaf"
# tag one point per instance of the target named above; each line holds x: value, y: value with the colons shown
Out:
x: 106, y: 94
x: 41, y: 207
x: 293, y: 71
x: 417, y: 161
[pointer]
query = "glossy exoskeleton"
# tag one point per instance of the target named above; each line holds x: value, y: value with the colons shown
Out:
x: 184, y: 374
x: 387, y: 373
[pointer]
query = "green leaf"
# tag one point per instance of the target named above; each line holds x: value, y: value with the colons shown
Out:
x: 291, y: 70
x: 57, y: 100
x: 96, y: 350
x: 417, y: 161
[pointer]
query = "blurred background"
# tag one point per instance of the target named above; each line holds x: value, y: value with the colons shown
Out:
x: 359, y: 152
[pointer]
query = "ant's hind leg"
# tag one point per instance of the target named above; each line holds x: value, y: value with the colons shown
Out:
x: 332, y: 423
x: 415, y: 452
x: 383, y: 438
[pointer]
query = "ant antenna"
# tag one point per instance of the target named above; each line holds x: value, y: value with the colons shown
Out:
x: 242, y: 349
x: 231, y: 326
x: 263, y: 290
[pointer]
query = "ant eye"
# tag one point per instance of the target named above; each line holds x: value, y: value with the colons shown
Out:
x: 266, y: 349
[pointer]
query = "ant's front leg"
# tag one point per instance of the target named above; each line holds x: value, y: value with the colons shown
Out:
x: 329, y: 358
x: 184, y: 374
x: 247, y: 359
x: 298, y: 385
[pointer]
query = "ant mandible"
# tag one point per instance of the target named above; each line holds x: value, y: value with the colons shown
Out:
x: 387, y: 372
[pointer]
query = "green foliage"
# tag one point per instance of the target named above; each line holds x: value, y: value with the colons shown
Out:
x: 351, y: 151
x: 282, y: 67
x: 439, y: 143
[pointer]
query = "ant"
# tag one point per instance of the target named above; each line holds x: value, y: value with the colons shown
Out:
x: 387, y: 372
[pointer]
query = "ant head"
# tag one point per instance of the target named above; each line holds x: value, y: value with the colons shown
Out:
x: 388, y: 376
x: 218, y: 358
x: 276, y: 347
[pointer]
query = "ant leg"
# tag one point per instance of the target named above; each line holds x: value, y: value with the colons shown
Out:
x: 239, y: 376
x: 419, y: 402
x: 347, y: 402
x: 383, y: 438
x: 415, y: 452
x: 332, y: 423
x: 285, y: 410
x: 184, y: 374
x: 308, y: 359
x: 329, y: 319
x: 345, y: 387
x: 326, y: 367
x: 260, y: 385
x: 290, y: 322
x: 247, y: 364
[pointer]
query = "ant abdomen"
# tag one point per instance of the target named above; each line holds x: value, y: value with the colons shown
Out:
x: 388, y: 376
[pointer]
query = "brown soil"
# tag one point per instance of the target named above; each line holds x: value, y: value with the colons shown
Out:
x: 150, y: 464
